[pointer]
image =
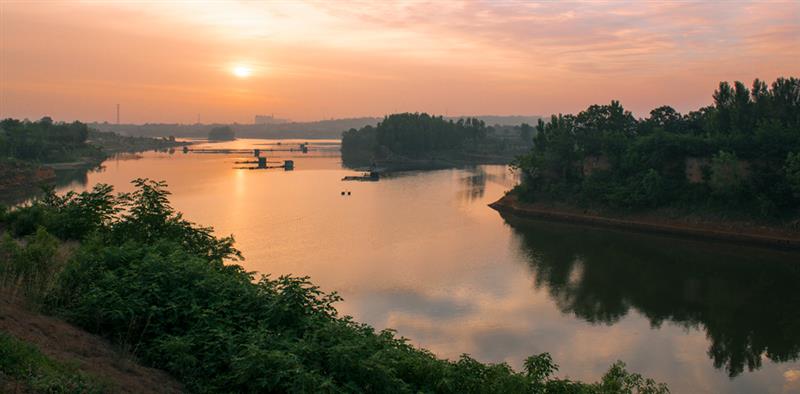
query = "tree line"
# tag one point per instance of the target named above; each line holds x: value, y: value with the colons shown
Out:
x: 741, y: 154
x: 221, y: 133
x: 43, y: 140
x: 420, y: 136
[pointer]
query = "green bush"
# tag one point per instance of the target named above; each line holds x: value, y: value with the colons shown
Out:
x: 29, y: 267
x: 25, y: 221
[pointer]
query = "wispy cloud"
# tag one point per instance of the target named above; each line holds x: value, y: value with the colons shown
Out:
x: 482, y: 56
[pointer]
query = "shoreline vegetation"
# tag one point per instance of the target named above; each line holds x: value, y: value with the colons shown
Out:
x: 418, y: 141
x: 729, y: 171
x: 170, y: 292
x: 221, y: 133
x: 31, y: 153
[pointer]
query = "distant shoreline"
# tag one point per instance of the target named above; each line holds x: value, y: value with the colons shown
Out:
x: 20, y: 178
x: 762, y: 236
x: 399, y: 164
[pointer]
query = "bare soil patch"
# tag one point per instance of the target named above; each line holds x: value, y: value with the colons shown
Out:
x: 89, y: 353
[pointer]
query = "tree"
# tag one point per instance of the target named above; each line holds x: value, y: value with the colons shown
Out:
x: 526, y: 132
x: 723, y: 101
x: 792, y: 170
x: 222, y: 133
x: 666, y: 118
x: 727, y: 174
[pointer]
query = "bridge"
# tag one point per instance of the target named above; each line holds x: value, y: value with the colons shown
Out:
x: 256, y: 152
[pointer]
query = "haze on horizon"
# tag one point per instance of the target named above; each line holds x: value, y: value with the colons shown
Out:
x: 306, y: 60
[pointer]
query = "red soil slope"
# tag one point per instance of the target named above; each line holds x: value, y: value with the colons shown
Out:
x: 90, y: 353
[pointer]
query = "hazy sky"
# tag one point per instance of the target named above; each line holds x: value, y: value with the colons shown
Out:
x: 170, y: 61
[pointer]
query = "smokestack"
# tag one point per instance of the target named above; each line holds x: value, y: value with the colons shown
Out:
x: 117, y: 113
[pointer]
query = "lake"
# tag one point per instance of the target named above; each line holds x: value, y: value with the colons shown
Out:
x: 422, y: 253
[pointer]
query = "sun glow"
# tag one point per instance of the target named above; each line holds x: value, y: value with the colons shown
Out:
x: 241, y: 71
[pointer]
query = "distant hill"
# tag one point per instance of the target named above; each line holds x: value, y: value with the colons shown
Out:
x: 321, y: 129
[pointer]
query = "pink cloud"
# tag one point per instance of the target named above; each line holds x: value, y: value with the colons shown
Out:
x: 481, y: 56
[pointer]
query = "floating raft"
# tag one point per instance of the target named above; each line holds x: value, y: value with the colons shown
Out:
x: 372, y: 176
x: 263, y: 164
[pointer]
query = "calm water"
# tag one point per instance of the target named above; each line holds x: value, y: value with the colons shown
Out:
x: 422, y: 253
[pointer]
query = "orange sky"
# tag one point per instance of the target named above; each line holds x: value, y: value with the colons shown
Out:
x: 168, y: 61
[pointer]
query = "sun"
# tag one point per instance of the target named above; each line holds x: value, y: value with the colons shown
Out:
x: 241, y: 71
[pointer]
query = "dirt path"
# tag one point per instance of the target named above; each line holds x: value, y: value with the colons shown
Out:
x: 90, y: 353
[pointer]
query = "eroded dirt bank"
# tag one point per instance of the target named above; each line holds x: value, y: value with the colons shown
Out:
x: 90, y: 353
x: 17, y: 176
x: 731, y: 232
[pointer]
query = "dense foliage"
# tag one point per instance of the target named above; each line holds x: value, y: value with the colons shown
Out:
x: 419, y: 135
x: 739, y: 155
x: 160, y: 286
x: 44, y: 140
x: 221, y: 133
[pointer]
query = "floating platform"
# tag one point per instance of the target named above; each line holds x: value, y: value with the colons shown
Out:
x: 287, y: 165
x: 372, y: 176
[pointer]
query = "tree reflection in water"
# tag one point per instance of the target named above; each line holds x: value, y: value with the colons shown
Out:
x: 746, y: 300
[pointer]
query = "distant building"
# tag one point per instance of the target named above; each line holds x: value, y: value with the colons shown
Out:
x: 269, y: 119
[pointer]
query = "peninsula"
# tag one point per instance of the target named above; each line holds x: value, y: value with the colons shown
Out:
x: 728, y: 171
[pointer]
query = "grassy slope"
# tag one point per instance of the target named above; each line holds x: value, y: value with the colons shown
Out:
x: 45, y: 354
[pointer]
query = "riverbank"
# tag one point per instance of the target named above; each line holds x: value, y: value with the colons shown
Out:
x: 19, y: 178
x: 441, y: 161
x: 745, y: 233
x: 22, y: 177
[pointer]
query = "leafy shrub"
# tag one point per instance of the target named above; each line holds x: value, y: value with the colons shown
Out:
x: 29, y: 267
x: 619, y: 380
x: 73, y: 215
x: 25, y: 221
